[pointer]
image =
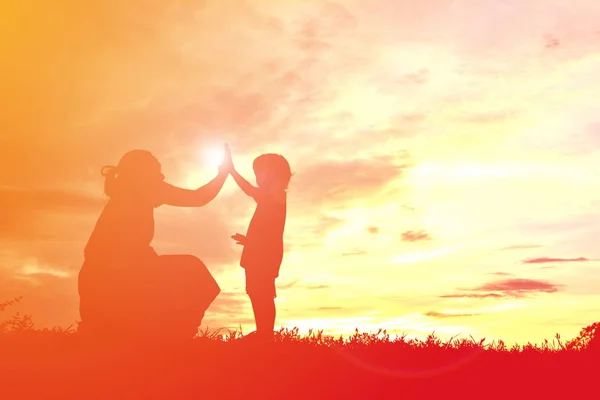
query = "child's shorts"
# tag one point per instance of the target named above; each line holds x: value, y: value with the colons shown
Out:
x: 260, y: 285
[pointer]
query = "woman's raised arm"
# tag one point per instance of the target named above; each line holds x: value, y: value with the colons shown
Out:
x: 179, y: 197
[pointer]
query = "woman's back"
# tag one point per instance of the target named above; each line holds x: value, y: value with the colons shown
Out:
x: 123, y: 231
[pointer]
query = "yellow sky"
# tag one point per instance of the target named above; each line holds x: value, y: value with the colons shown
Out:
x: 437, y: 146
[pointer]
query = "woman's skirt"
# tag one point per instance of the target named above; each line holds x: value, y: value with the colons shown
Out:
x: 150, y: 297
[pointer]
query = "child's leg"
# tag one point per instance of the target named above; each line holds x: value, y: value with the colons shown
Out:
x: 261, y: 291
x: 264, y: 314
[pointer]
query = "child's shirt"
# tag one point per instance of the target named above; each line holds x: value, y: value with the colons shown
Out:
x: 263, y: 250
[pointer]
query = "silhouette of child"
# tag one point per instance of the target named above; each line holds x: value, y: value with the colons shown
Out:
x: 263, y: 243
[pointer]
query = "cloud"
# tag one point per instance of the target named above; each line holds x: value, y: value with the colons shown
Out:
x: 306, y: 229
x: 472, y: 296
x: 33, y: 271
x: 46, y: 215
x: 355, y: 253
x: 317, y: 287
x: 415, y: 236
x: 373, y: 230
x: 520, y: 247
x: 324, y: 224
x: 287, y: 285
x: 543, y: 260
x: 515, y: 287
x: 226, y: 304
x: 251, y: 104
x: 490, y: 117
x: 339, y: 181
x: 518, y: 285
x: 436, y: 314
x: 551, y: 42
x: 329, y: 308
x: 417, y: 78
x: 500, y: 273
x: 14, y: 199
x: 569, y: 223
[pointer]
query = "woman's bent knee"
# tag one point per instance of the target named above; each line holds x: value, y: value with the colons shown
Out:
x: 192, y: 269
x: 181, y: 260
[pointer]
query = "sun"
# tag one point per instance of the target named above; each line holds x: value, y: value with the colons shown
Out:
x: 213, y: 155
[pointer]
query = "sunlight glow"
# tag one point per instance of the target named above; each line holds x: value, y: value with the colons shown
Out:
x: 213, y: 155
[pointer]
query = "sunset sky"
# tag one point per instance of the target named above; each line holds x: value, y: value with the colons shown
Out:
x: 446, y: 153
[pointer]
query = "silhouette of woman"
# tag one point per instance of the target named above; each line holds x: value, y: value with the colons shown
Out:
x: 125, y: 287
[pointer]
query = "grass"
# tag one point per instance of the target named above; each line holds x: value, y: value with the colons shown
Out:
x: 59, y: 363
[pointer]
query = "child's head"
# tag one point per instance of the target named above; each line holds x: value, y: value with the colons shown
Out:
x: 272, y: 171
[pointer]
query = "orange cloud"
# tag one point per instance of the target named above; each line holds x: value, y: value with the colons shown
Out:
x: 412, y: 236
x: 514, y: 287
x: 436, y: 314
x: 543, y: 260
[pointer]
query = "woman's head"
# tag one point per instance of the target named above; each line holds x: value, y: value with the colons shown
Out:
x: 272, y: 171
x: 138, y: 171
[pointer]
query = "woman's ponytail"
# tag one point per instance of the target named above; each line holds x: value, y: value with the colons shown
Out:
x: 109, y: 173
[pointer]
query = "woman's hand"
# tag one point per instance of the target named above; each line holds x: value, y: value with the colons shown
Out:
x: 239, y: 239
x: 175, y: 196
x: 227, y: 165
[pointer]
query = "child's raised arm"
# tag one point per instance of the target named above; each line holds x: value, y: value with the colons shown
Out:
x: 246, y: 186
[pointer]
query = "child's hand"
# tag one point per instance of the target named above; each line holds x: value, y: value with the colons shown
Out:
x: 227, y: 164
x: 239, y: 239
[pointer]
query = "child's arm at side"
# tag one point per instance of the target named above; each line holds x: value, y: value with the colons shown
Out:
x: 246, y: 186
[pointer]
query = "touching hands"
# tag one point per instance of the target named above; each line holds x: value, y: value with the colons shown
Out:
x: 227, y: 165
x: 239, y: 239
